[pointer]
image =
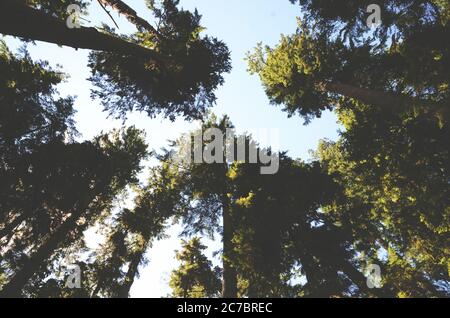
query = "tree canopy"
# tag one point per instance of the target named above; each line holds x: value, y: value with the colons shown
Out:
x: 316, y: 227
x: 195, y: 278
x: 170, y: 69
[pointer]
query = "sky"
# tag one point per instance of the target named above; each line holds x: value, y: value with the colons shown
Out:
x: 241, y: 24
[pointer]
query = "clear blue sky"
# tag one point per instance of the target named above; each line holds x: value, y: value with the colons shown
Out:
x: 241, y: 24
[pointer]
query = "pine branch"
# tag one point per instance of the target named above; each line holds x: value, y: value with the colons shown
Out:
x: 131, y: 15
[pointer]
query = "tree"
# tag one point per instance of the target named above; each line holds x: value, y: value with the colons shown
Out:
x: 132, y: 233
x: 280, y: 227
x: 103, y: 168
x: 53, y: 186
x: 34, y: 124
x: 171, y: 70
x: 30, y: 117
x: 271, y: 221
x: 195, y: 277
x: 207, y: 188
x: 310, y: 70
x: 110, y: 270
x: 399, y: 18
x: 99, y: 172
x: 395, y: 201
x: 376, y: 196
x: 392, y: 180
x: 42, y: 164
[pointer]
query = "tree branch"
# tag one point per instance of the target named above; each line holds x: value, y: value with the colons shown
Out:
x: 18, y: 19
x: 386, y: 100
x: 109, y: 14
x: 131, y: 15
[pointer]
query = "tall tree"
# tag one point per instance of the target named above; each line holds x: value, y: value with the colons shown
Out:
x: 195, y: 277
x: 31, y: 116
x: 41, y: 170
x: 397, y: 67
x: 270, y: 226
x: 207, y: 187
x: 383, y: 85
x: 281, y: 227
x: 171, y: 69
x: 98, y: 171
x: 132, y: 233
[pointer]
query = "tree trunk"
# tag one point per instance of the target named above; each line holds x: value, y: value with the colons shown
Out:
x: 10, y: 227
x: 252, y: 292
x: 130, y: 276
x: 31, y: 265
x: 335, y: 255
x: 367, y: 96
x: 24, y: 215
x: 229, y: 280
x: 18, y: 19
x: 131, y: 15
x: 97, y: 289
x: 310, y: 270
x: 134, y: 265
x: 384, y: 100
x: 359, y: 279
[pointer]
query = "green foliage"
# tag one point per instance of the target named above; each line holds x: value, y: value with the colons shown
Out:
x: 30, y: 108
x: 297, y: 73
x: 195, y: 278
x: 378, y: 195
x: 46, y: 175
x: 132, y: 232
x: 272, y: 222
x: 391, y: 161
x: 293, y: 71
x: 280, y: 227
x: 399, y: 18
x: 396, y: 190
x: 57, y: 7
x: 193, y: 68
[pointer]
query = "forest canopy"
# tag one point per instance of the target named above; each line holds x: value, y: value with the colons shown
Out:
x: 376, y: 196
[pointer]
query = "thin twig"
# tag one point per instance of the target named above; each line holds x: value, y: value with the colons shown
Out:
x: 107, y: 12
